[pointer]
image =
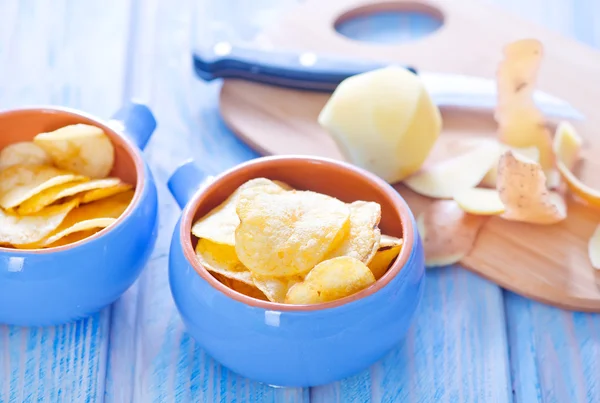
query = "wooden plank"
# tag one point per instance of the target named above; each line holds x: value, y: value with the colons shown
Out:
x: 68, y: 53
x: 455, y: 350
x: 555, y: 354
x: 152, y: 357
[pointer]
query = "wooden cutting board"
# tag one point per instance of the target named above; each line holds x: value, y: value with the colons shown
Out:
x: 546, y: 263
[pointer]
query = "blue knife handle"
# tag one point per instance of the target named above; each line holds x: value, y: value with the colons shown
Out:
x: 298, y: 70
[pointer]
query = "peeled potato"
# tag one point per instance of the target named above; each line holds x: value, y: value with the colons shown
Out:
x: 331, y: 280
x: 594, y: 249
x: 221, y: 259
x: 23, y: 153
x: 567, y: 145
x: 480, y: 201
x: 220, y: 223
x: 49, y: 196
x: 383, y: 121
x: 286, y: 234
x: 462, y: 172
x: 389, y: 249
x: 448, y: 233
x: 17, y: 231
x: 80, y: 148
x: 20, y: 182
x: 522, y: 190
x: 363, y: 239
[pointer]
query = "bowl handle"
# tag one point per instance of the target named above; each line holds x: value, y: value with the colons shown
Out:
x: 136, y: 121
x: 186, y: 180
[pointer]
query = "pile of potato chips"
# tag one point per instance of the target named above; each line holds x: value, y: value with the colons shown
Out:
x: 271, y: 242
x: 520, y: 176
x: 55, y: 190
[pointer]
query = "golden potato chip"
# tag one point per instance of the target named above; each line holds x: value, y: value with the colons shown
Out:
x: 331, y: 280
x: 20, y: 182
x: 23, y: 153
x: 17, y: 230
x: 489, y: 180
x: 97, y: 194
x: 447, y: 232
x: 567, y: 145
x: 520, y: 122
x: 80, y: 148
x: 389, y: 249
x: 522, y: 189
x: 594, y: 249
x: 275, y: 288
x: 249, y: 290
x: 285, y: 234
x: 363, y: 239
x: 220, y: 223
x: 462, y: 172
x: 480, y: 201
x: 221, y: 259
x: 63, y: 231
x: 49, y: 196
x: 73, y: 237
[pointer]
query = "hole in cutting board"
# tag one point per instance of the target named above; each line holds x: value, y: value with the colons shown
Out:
x: 389, y: 23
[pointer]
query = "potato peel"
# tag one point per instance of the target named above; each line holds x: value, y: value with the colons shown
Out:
x: 490, y: 178
x: 594, y: 249
x: 567, y: 145
x: 480, y: 201
x: 465, y: 171
x: 520, y: 123
x: 447, y: 232
x: 522, y: 189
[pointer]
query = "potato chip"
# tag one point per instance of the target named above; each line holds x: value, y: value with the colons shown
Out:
x: 16, y: 230
x: 73, y: 237
x: 49, y: 196
x: 97, y: 194
x: 285, y: 234
x: 95, y: 223
x: 594, y: 249
x: 462, y: 172
x: 220, y: 223
x: 20, y: 182
x: 275, y: 288
x: 221, y: 259
x: 389, y: 249
x: 567, y: 145
x: 489, y: 180
x: 447, y: 232
x: 363, y: 240
x: 249, y: 290
x: 23, y: 153
x: 331, y: 280
x: 480, y: 201
x: 520, y: 122
x: 80, y: 148
x: 522, y: 190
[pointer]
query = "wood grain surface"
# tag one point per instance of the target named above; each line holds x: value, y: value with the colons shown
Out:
x: 472, y: 341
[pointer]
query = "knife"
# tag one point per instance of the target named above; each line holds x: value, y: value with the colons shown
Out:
x: 318, y: 72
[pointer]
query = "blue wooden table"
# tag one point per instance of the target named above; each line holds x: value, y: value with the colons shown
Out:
x: 471, y: 342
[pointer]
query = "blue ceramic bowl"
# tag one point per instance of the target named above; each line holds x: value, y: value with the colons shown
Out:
x: 57, y: 285
x: 294, y: 345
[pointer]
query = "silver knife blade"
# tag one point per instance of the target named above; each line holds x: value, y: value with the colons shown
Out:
x: 455, y: 90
